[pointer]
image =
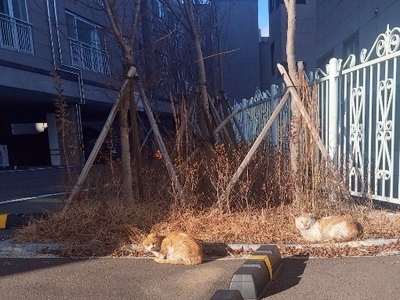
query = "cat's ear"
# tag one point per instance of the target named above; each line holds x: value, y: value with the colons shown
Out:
x: 153, y: 233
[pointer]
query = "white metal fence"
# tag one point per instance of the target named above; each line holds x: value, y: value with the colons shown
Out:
x: 254, y: 113
x: 361, y: 99
x: 357, y: 99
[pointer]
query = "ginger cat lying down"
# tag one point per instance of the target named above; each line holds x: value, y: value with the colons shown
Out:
x: 176, y: 248
x: 333, y: 228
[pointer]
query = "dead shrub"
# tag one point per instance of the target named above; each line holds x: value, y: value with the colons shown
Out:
x: 261, y: 207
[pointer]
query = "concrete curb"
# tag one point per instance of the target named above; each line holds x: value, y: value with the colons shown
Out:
x: 10, y: 249
x: 9, y: 221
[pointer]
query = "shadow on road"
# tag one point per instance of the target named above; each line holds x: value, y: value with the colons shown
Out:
x: 288, y: 276
x: 13, y: 266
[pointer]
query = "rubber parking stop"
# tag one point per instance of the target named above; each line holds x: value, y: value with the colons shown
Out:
x: 253, y: 278
x: 273, y: 260
x: 227, y: 295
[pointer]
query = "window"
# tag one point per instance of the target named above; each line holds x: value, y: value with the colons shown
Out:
x: 351, y: 46
x: 15, y: 31
x: 87, y: 45
x: 14, y: 8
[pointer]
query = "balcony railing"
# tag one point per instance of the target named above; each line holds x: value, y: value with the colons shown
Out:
x: 15, y: 34
x: 87, y: 57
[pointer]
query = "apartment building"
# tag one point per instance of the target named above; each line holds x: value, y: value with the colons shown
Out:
x: 240, y: 52
x: 346, y: 27
x: 52, y: 49
x: 324, y: 29
x: 274, y: 48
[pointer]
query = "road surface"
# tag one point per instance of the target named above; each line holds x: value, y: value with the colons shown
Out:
x: 142, y: 279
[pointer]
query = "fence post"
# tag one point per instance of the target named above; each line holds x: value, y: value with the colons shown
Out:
x: 333, y: 108
x: 274, y: 103
x: 245, y: 120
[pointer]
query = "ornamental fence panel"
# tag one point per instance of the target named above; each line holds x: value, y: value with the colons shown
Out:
x: 359, y: 118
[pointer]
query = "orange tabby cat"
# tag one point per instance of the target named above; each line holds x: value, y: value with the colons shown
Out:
x: 333, y: 228
x: 176, y: 248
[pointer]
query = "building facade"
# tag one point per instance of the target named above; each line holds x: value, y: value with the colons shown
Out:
x: 274, y: 48
x: 50, y: 49
x: 240, y: 54
x: 324, y: 29
x: 61, y: 49
x: 346, y: 27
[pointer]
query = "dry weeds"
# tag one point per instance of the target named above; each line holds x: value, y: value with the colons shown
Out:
x: 111, y: 228
x: 261, y: 207
x: 260, y: 212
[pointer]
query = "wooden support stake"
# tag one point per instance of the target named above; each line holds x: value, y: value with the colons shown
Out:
x: 224, y: 122
x: 218, y: 120
x: 257, y: 142
x: 103, y: 134
x: 297, y: 101
x: 160, y: 142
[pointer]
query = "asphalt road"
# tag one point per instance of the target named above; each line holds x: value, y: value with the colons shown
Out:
x: 30, y: 183
x: 118, y: 278
x: 30, y: 191
x: 142, y: 279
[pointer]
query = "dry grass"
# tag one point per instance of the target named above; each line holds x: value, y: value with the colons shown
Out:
x: 261, y: 207
x: 89, y: 229
x: 99, y: 224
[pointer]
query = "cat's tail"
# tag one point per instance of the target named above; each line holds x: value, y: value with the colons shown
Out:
x: 360, y: 229
x: 355, y: 230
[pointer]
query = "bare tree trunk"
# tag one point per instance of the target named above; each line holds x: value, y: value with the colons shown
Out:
x: 78, y: 186
x: 205, y: 120
x: 126, y: 40
x: 295, y: 114
x: 136, y: 142
x: 127, y: 192
x: 147, y: 38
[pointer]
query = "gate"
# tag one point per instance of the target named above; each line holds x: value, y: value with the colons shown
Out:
x: 358, y: 117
